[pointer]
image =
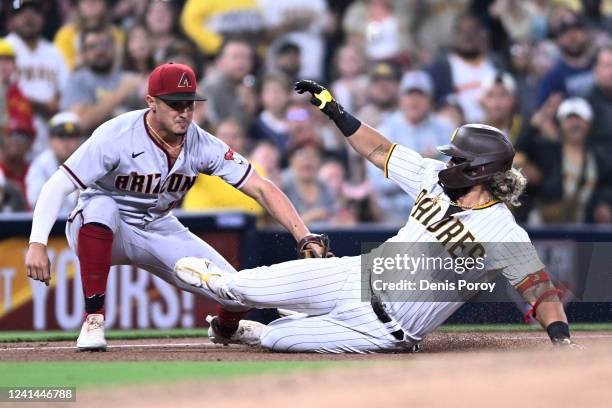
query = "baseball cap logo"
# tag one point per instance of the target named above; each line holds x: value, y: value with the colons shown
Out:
x: 184, y: 81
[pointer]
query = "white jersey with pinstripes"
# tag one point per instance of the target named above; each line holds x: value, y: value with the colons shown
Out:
x: 491, y: 225
x: 329, y: 292
x: 123, y: 161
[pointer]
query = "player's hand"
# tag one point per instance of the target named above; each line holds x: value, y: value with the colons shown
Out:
x: 314, y: 246
x: 37, y: 263
x: 321, y: 97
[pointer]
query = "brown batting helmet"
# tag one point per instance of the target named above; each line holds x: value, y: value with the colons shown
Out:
x: 479, y: 151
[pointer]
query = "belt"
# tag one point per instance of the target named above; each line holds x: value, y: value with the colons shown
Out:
x: 382, y: 315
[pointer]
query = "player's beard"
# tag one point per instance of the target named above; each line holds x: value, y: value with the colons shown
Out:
x: 455, y: 193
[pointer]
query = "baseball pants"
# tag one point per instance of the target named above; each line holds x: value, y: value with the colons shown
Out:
x: 332, y: 316
x: 154, y: 249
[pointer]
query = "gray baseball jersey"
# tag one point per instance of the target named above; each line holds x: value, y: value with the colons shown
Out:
x: 130, y: 187
x: 122, y: 160
x: 328, y: 292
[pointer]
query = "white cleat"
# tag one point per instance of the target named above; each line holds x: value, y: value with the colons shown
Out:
x: 91, y: 337
x: 196, y: 271
x: 248, y: 333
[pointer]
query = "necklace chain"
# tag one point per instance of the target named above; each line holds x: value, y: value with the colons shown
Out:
x: 162, y: 141
x: 464, y: 207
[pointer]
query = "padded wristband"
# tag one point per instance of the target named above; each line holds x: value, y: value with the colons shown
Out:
x: 558, y: 331
x: 347, y: 123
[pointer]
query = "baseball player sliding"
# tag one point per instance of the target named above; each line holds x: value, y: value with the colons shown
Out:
x: 459, y: 205
x: 132, y: 171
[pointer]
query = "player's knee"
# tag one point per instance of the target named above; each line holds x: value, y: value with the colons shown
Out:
x: 102, y: 210
x: 275, y: 338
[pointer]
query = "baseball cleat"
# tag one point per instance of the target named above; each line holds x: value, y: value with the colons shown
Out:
x: 91, y: 337
x: 196, y: 271
x: 248, y: 333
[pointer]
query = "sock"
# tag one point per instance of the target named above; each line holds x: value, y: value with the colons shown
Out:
x: 94, y: 252
x: 227, y: 322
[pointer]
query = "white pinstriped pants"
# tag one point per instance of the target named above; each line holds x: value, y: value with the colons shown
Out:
x: 326, y: 293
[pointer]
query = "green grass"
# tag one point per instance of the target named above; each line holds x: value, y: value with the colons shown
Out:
x: 86, y: 374
x: 59, y: 335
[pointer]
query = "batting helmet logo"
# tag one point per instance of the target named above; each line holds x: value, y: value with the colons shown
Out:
x: 480, y: 152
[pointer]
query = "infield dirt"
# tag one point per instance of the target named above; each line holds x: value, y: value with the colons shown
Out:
x: 453, y: 369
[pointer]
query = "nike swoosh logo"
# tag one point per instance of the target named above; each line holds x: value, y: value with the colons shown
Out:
x: 135, y: 155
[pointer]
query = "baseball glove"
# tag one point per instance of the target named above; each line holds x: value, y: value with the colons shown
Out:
x: 305, y: 250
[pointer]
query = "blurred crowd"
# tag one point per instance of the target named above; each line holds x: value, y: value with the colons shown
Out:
x: 414, y: 69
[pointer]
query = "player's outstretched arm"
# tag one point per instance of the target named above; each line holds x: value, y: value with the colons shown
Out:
x: 365, y: 140
x: 270, y: 197
x: 547, y: 308
x: 45, y: 213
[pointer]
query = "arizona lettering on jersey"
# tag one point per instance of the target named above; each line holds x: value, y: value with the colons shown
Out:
x: 123, y: 161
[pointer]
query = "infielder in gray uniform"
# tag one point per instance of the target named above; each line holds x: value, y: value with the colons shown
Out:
x: 132, y: 171
x: 459, y: 206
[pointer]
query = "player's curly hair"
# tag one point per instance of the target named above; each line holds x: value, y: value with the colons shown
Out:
x: 508, y: 186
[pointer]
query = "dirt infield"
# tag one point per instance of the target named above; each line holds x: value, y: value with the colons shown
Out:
x: 458, y: 369
x: 193, y: 349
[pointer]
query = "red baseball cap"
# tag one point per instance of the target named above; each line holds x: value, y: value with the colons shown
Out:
x: 174, y: 82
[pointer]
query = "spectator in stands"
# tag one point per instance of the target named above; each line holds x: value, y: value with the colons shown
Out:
x: 267, y: 156
x: 286, y: 61
x: 161, y: 19
x: 432, y: 22
x: 138, y: 53
x: 377, y: 27
x: 572, y: 72
x: 351, y: 83
x: 12, y: 101
x: 64, y: 138
x: 271, y: 123
x: 517, y: 18
x: 449, y: 111
x: 600, y: 98
x: 461, y: 70
x: 382, y: 94
x: 499, y: 103
x: 211, y: 192
x: 302, y: 128
x: 528, y: 63
x: 311, y: 198
x: 332, y: 175
x: 88, y: 14
x: 42, y: 72
x: 229, y: 87
x: 303, y: 23
x: 567, y: 169
x: 98, y: 91
x: 11, y: 198
x: 415, y: 126
x: 209, y: 23
x: 16, y: 143
x: 381, y: 101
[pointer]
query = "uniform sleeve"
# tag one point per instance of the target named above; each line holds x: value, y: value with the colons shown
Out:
x: 93, y: 159
x: 408, y: 169
x: 223, y: 162
x: 516, y: 257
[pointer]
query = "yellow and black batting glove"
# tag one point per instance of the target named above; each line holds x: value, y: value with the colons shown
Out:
x: 321, y: 98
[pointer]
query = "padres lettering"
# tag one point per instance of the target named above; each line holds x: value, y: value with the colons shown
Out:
x: 151, y: 183
x: 451, y: 232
